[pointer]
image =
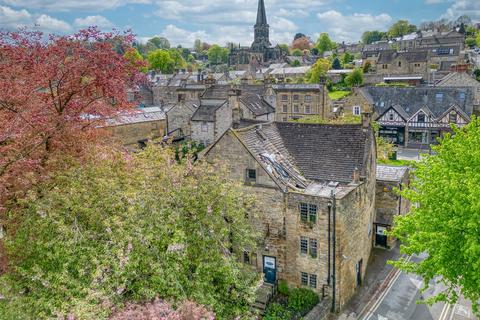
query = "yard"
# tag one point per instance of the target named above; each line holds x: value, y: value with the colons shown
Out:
x: 339, y: 94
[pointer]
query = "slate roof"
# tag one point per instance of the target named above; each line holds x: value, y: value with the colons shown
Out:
x: 297, y: 87
x: 386, y: 57
x: 251, y: 96
x: 314, y: 152
x: 137, y: 116
x: 391, y: 173
x: 256, y: 104
x: 413, y: 99
x: 206, y: 110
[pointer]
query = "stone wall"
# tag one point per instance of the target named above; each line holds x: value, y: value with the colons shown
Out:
x: 203, y: 136
x: 130, y: 134
x: 179, y: 118
x: 223, y: 120
x: 389, y: 204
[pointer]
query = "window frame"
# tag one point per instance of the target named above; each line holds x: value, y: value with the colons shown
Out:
x: 357, y: 110
x: 304, y: 278
x: 309, y: 108
x: 285, y: 108
x: 312, y: 281
x: 313, y: 248
x: 248, y: 177
x: 304, y: 245
x: 284, y: 97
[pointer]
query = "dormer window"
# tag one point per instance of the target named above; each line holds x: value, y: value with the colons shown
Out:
x: 461, y: 97
x: 439, y: 97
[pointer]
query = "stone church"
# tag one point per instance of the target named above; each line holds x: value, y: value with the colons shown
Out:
x: 261, y: 50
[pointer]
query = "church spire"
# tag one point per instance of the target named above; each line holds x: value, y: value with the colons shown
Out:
x: 261, y: 14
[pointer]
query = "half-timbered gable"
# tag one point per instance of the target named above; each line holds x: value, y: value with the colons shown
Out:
x: 424, y: 117
x: 454, y: 115
x: 393, y: 116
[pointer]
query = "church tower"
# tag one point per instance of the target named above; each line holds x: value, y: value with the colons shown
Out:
x: 262, y: 37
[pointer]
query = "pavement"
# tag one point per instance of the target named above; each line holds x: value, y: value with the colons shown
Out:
x: 411, y: 154
x: 378, y: 272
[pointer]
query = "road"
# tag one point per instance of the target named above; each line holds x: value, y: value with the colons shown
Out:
x: 399, y: 302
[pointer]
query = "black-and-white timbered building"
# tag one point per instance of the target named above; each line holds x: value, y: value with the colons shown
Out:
x: 417, y: 116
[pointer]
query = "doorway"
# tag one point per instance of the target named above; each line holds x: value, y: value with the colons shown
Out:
x: 270, y: 269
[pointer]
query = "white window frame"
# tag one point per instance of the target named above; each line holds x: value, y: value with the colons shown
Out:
x: 357, y: 110
x: 204, y: 126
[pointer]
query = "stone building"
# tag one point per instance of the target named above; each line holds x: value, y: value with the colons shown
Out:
x: 261, y: 51
x: 314, y: 187
x: 211, y: 119
x: 388, y: 204
x: 296, y: 101
x: 134, y: 128
x: 463, y: 80
x: 410, y: 62
x: 356, y: 103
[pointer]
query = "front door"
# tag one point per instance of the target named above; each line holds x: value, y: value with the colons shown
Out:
x: 270, y: 269
x: 380, y: 236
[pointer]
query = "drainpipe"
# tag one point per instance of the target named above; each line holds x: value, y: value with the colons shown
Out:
x: 329, y: 232
x: 334, y: 211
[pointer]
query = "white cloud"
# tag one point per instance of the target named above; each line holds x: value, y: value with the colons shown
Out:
x: 51, y: 24
x: 99, y: 21
x: 349, y: 28
x: 463, y: 7
x: 69, y: 5
x: 14, y: 19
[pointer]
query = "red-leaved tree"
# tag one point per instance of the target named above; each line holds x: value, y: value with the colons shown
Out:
x: 54, y: 92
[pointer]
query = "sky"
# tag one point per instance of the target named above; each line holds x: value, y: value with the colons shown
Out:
x: 222, y: 21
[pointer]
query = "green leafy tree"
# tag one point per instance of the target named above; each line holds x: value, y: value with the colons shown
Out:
x: 176, y: 55
x: 217, y: 54
x: 367, y: 67
x: 355, y: 78
x: 318, y: 72
x: 135, y: 58
x: 284, y: 48
x: 130, y: 229
x: 369, y: 37
x: 161, y: 60
x: 324, y: 43
x: 478, y: 39
x: 445, y: 223
x: 401, y: 28
x: 160, y: 42
x: 347, y: 58
x: 471, y: 42
x: 297, y: 53
x: 296, y: 63
x: 336, y: 65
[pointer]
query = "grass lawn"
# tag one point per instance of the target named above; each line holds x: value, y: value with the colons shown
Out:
x: 400, y: 163
x: 336, y: 95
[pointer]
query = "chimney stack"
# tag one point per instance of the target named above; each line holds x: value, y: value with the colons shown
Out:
x: 366, y: 120
x: 234, y: 104
x: 356, y: 175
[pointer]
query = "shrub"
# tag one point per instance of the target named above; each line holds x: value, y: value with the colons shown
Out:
x: 283, y: 287
x: 302, y: 300
x: 276, y: 311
